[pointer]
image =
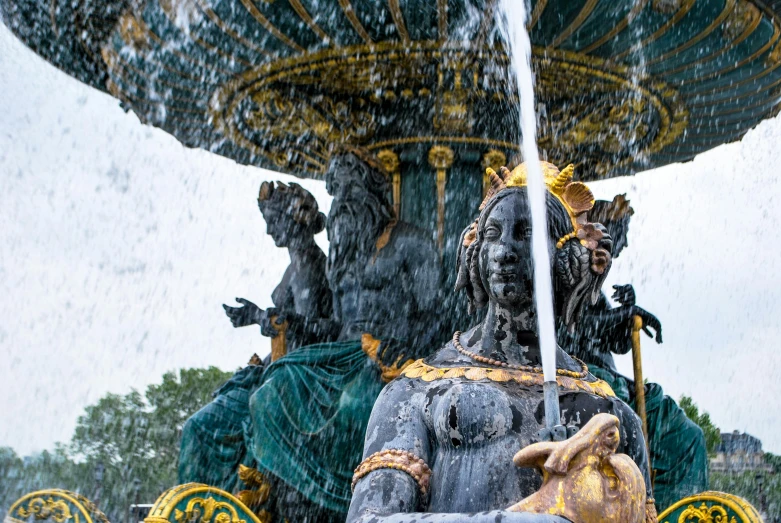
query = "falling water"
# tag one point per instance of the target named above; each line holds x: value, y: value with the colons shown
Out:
x: 512, y: 16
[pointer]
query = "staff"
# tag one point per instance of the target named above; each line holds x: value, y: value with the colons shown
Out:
x: 278, y: 342
x: 637, y: 363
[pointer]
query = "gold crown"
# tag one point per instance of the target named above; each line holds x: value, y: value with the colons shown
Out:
x: 576, y: 198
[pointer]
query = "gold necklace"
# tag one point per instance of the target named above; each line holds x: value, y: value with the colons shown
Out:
x: 526, y: 368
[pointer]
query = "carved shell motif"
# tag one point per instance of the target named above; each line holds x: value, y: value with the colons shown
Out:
x: 579, y: 197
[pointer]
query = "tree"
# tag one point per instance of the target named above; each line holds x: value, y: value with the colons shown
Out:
x: 711, y: 431
x: 133, y: 437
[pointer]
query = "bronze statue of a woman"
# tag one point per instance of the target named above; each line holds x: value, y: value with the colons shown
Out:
x: 292, y: 220
x: 441, y: 438
x: 213, y: 443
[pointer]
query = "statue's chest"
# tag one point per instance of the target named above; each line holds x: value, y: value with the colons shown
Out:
x: 475, y: 414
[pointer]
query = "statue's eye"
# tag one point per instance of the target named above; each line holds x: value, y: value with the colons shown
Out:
x: 492, y: 232
x: 523, y: 232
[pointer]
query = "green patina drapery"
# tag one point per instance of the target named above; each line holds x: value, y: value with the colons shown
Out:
x: 679, y: 459
x: 309, y: 418
x: 213, y: 443
x: 302, y: 419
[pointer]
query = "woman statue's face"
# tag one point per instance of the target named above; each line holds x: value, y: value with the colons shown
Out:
x: 281, y: 226
x: 506, y: 265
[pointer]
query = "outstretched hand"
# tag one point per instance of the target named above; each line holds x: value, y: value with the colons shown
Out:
x: 650, y: 321
x: 247, y: 314
x: 624, y: 294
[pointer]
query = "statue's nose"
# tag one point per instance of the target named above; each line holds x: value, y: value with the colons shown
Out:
x: 506, y: 254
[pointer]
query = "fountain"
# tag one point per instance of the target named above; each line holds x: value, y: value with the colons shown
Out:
x: 419, y: 91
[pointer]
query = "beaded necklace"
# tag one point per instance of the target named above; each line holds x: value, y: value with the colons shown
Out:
x: 526, y: 368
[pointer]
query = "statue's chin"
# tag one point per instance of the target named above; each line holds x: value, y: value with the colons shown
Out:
x: 510, y: 295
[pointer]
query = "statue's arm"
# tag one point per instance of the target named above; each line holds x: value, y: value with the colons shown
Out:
x: 389, y: 495
x: 614, y: 324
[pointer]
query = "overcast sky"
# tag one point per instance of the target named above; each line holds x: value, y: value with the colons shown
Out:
x: 118, y: 245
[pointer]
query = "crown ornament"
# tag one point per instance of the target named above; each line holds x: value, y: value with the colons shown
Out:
x: 576, y: 198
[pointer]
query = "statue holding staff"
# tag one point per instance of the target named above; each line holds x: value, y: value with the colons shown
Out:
x: 677, y: 447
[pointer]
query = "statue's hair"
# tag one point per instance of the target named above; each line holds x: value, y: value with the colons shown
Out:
x: 293, y: 199
x: 614, y: 216
x: 365, y: 155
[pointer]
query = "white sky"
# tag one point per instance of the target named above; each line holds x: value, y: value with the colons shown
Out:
x: 118, y: 245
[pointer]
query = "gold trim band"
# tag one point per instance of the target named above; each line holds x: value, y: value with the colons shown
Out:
x: 395, y: 459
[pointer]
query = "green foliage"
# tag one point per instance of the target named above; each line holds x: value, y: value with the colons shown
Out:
x: 134, y: 437
x: 762, y: 489
x: 712, y: 432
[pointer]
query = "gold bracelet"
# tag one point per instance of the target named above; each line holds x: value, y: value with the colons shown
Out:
x: 395, y: 459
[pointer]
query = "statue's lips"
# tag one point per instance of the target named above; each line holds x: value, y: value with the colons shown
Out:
x: 505, y: 275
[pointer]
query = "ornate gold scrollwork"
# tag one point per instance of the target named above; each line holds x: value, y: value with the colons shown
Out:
x: 197, y: 503
x: 390, y: 162
x: 42, y: 509
x: 743, y: 16
x: 453, y: 114
x: 292, y: 111
x: 56, y: 505
x: 711, y: 507
x: 706, y: 514
x: 208, y: 510
x: 316, y: 124
x: 666, y: 7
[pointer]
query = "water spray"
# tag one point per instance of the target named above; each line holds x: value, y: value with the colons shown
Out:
x: 512, y: 16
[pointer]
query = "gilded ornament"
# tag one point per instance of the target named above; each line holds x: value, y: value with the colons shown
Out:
x: 207, y: 510
x: 395, y: 459
x: 666, y: 6
x: 584, y: 480
x: 56, y: 505
x: 132, y: 32
x: 774, y: 57
x: 202, y: 504
x: 711, y: 507
x: 425, y: 372
x: 743, y: 17
x: 391, y: 164
x: 46, y: 508
x: 441, y: 157
x: 370, y: 345
x: 609, y: 128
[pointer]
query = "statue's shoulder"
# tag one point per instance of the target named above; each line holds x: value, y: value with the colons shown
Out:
x: 446, y: 356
